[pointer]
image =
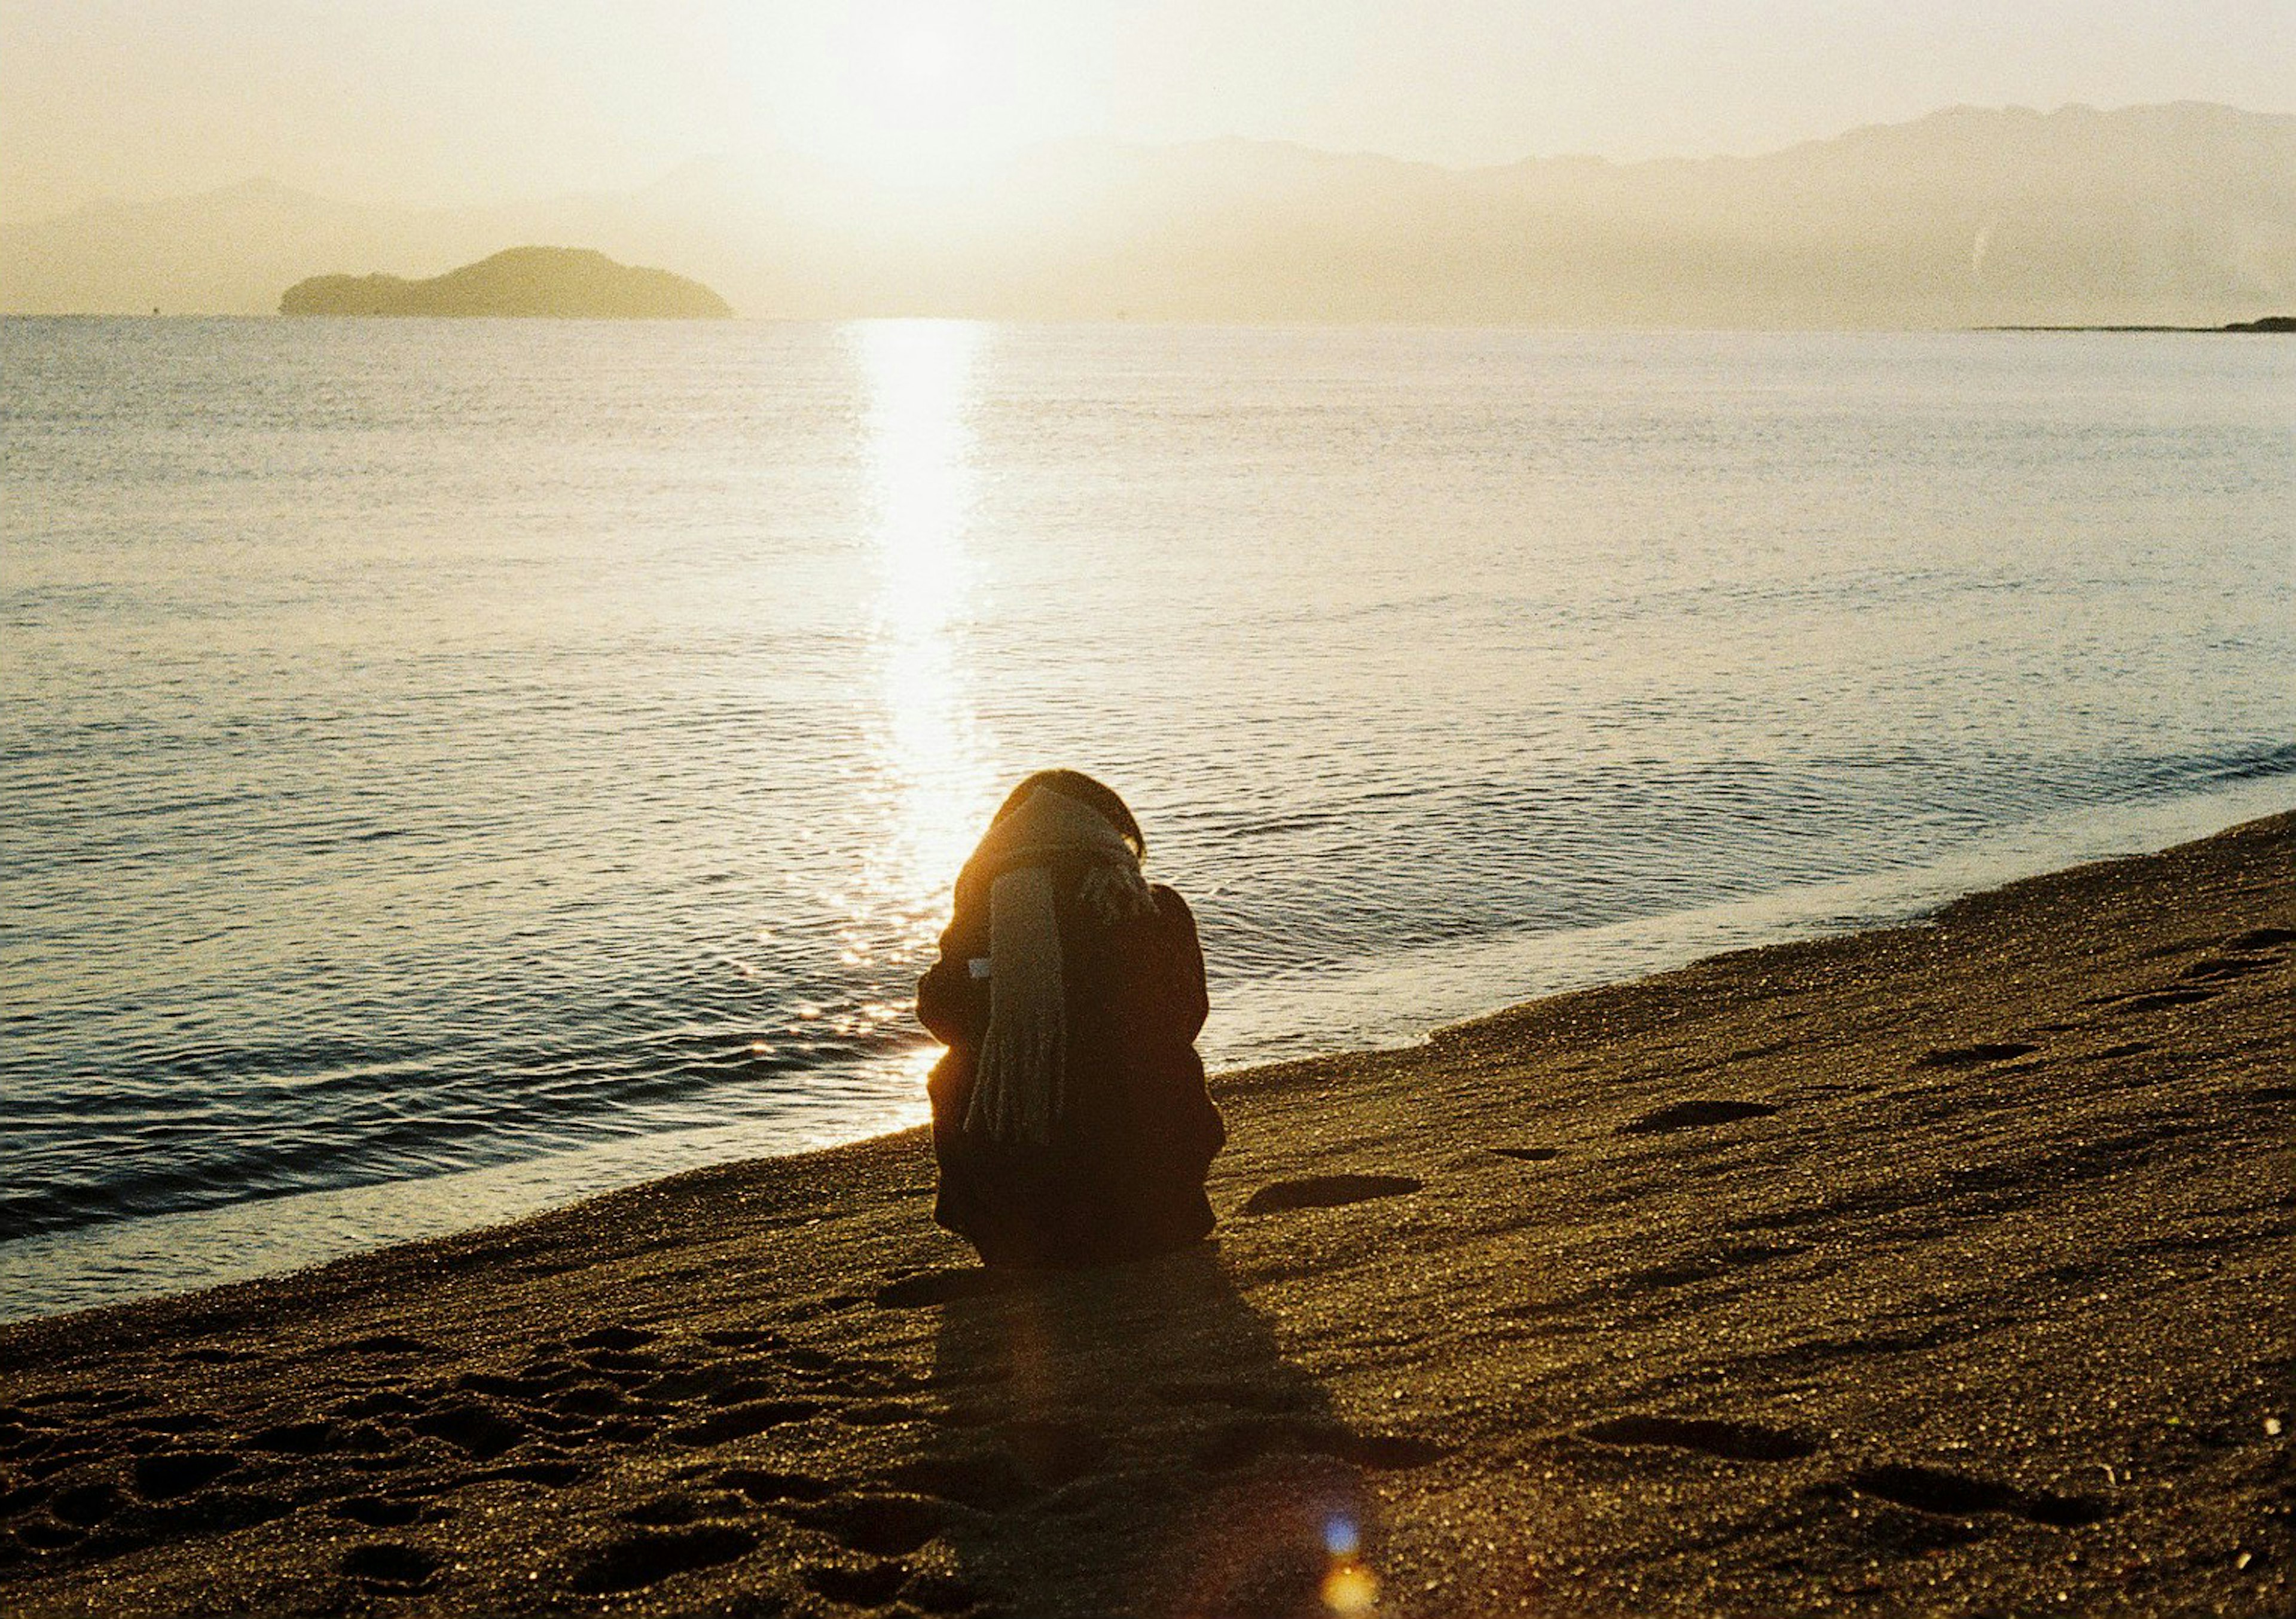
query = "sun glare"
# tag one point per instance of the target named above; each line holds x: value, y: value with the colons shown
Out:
x: 929, y: 92
x: 923, y: 57
x: 931, y: 767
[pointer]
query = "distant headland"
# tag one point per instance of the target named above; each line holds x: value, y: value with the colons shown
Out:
x: 2285, y: 323
x: 566, y: 282
x: 2183, y: 213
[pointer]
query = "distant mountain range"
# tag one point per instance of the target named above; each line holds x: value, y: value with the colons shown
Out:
x: 525, y: 280
x: 2179, y: 215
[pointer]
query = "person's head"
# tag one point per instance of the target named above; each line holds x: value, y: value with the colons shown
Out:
x: 1081, y: 787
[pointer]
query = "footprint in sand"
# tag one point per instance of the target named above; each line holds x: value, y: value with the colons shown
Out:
x: 2243, y: 955
x: 740, y: 1421
x: 2217, y: 970
x: 2153, y: 1000
x: 85, y: 1506
x: 633, y: 1561
x: 1695, y: 1115
x: 1958, y: 1495
x: 616, y: 1338
x: 884, y: 1525
x: 1974, y: 1056
x: 168, y: 1475
x: 478, y: 1431
x: 1327, y: 1191
x: 390, y: 1565
x: 389, y: 1343
x: 2259, y: 939
x: 1730, y: 1441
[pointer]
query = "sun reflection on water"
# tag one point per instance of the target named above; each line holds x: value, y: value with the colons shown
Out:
x: 932, y: 775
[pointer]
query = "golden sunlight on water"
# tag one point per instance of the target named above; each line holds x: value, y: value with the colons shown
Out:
x: 931, y: 785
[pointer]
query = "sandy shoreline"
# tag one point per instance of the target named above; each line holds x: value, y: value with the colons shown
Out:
x: 1944, y: 1269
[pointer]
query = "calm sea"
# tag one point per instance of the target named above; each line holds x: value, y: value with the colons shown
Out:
x: 449, y: 768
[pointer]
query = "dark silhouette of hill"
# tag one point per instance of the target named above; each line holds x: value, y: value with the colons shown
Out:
x: 2279, y: 323
x: 562, y: 281
x: 2176, y: 215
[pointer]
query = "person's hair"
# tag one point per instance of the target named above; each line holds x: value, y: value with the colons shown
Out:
x: 1076, y: 785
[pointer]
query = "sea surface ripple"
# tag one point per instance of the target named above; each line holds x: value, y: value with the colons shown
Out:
x: 450, y: 767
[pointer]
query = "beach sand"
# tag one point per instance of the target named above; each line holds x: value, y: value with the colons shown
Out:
x: 1946, y: 1269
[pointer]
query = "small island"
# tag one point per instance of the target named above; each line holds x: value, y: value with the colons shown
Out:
x: 564, y: 283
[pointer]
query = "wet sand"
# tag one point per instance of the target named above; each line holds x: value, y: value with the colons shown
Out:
x: 1939, y: 1270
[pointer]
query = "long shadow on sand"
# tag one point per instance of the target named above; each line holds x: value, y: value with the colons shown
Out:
x: 1135, y: 1442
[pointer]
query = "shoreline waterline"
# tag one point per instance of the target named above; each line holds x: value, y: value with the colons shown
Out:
x: 156, y: 1256
x: 1912, y: 1270
x: 438, y: 751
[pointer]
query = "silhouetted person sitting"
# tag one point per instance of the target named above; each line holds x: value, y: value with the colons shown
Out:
x: 1069, y: 1116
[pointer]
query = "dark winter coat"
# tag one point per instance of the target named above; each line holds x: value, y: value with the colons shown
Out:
x: 1123, y: 1174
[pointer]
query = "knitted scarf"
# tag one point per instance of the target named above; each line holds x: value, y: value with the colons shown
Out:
x: 1020, y: 1088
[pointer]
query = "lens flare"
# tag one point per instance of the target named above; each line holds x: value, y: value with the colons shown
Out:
x: 1350, y: 1590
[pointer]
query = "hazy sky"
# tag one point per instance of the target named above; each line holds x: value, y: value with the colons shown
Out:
x: 447, y: 100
